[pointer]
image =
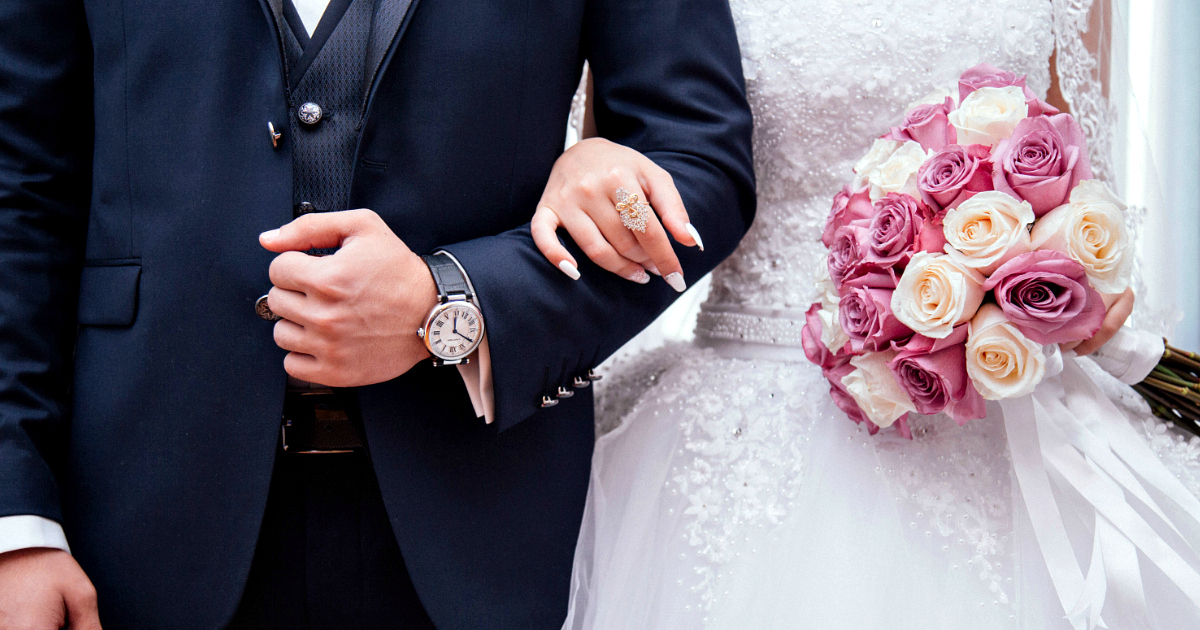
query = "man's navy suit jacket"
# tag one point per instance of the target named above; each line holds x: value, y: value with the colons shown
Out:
x: 140, y: 395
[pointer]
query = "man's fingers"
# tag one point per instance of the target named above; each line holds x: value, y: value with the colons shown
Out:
x: 664, y: 197
x: 318, y: 230
x: 1114, y: 319
x: 290, y: 336
x: 293, y: 271
x: 287, y: 304
x: 544, y: 227
x: 304, y: 367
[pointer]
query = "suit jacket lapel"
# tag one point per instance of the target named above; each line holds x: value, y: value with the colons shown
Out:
x: 388, y: 26
x: 273, y: 10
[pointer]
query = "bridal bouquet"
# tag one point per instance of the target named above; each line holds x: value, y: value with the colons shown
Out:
x: 971, y: 240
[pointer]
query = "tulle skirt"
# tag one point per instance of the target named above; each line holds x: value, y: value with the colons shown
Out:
x: 733, y: 494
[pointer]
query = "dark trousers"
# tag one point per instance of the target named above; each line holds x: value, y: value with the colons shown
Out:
x: 326, y: 555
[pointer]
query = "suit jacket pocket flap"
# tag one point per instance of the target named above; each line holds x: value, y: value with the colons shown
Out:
x: 108, y: 295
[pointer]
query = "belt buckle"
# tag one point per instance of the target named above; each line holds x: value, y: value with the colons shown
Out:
x: 322, y: 417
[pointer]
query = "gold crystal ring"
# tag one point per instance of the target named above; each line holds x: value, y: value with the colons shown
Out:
x: 634, y: 212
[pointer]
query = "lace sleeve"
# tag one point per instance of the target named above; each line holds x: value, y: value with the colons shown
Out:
x: 1080, y: 77
x: 1083, y: 32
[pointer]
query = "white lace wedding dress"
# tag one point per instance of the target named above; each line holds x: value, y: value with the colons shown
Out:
x: 732, y: 493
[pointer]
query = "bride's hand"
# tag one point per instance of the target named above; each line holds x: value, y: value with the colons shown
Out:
x: 582, y: 197
x: 1120, y: 306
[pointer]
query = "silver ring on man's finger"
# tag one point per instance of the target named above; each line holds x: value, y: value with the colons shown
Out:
x: 634, y: 212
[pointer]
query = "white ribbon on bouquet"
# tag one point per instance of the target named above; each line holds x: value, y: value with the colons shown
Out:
x: 1069, y: 437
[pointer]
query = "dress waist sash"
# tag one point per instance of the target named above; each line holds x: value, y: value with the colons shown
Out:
x: 745, y: 332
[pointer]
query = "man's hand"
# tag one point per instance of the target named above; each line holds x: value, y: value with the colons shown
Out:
x: 45, y: 589
x: 349, y: 319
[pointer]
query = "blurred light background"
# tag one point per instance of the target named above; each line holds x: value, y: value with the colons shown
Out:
x: 1158, y: 151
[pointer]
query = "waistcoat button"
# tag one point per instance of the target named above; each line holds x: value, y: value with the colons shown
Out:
x: 309, y: 113
x: 305, y: 207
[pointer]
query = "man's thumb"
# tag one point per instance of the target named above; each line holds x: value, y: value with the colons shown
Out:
x: 313, y: 231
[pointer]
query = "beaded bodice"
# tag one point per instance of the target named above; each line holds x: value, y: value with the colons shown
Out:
x: 826, y: 78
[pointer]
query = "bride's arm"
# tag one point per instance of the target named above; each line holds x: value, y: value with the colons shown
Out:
x: 580, y: 196
x: 1097, y: 39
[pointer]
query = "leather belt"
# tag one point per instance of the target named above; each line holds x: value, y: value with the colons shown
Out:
x: 318, y: 421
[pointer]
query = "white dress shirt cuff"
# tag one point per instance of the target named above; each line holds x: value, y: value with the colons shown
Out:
x: 26, y: 531
x: 477, y: 375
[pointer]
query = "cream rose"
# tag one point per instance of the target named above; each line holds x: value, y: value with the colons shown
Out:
x: 935, y: 294
x: 936, y: 97
x: 1001, y: 362
x: 987, y: 230
x: 1090, y: 228
x: 832, y: 334
x: 875, y: 389
x: 989, y: 115
x: 898, y: 173
x: 880, y: 151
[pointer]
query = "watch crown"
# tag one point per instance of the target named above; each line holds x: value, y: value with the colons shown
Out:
x: 421, y: 333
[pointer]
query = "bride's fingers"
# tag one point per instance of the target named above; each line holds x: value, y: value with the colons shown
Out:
x: 1118, y: 312
x: 664, y: 198
x: 595, y: 246
x: 544, y: 228
x: 655, y: 241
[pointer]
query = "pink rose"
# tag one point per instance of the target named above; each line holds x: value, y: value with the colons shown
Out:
x: 933, y: 234
x: 954, y: 175
x: 933, y: 372
x: 842, y: 398
x: 894, y: 231
x: 986, y: 75
x: 850, y: 207
x: 1043, y: 161
x: 810, y: 337
x: 1046, y: 296
x: 929, y: 125
x: 846, y: 253
x: 865, y: 313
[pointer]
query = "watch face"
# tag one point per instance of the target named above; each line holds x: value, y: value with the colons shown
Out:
x: 454, y: 330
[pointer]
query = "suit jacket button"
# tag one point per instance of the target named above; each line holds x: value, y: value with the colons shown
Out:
x: 309, y: 113
x: 263, y: 310
x: 548, y: 402
x: 563, y: 392
x: 305, y: 207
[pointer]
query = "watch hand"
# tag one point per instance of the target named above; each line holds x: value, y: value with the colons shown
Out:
x: 469, y: 340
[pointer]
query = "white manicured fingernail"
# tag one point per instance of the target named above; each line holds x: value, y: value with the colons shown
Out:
x: 569, y: 269
x: 696, y: 235
x: 640, y: 276
x: 675, y: 279
x: 269, y: 234
x: 651, y: 268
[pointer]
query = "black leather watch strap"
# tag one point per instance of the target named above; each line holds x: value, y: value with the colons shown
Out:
x: 448, y: 277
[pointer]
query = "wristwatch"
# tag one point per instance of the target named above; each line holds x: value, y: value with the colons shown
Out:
x: 454, y: 327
